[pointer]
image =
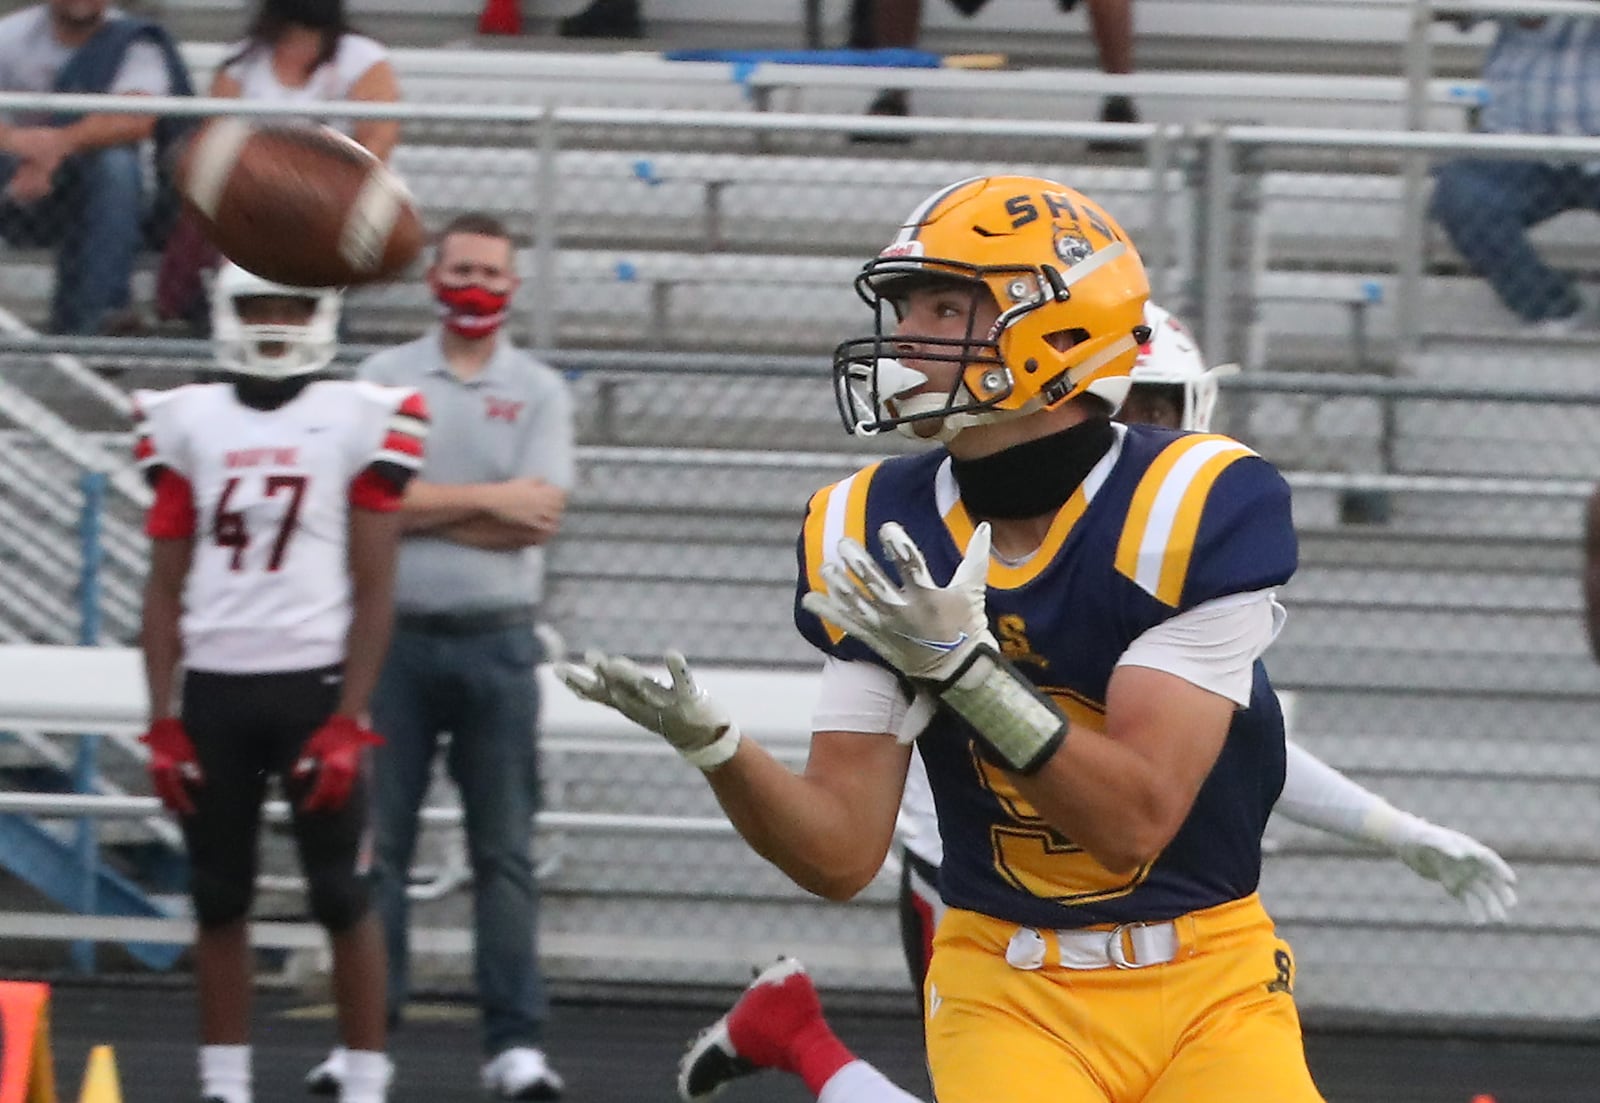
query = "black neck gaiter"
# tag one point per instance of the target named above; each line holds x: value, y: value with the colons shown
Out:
x: 1034, y: 478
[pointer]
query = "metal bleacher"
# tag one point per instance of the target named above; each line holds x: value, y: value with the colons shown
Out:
x: 1437, y: 656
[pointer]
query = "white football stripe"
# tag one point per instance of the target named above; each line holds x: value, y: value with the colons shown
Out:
x: 371, y: 220
x: 833, y: 527
x: 404, y: 423
x: 1164, y: 510
x: 213, y: 163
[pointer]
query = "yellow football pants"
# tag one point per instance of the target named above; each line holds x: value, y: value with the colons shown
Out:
x: 1216, y: 1025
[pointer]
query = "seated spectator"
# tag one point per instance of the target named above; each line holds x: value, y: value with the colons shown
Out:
x: 879, y: 23
x: 1542, y: 77
x: 76, y: 182
x: 604, y: 19
x: 304, y: 51
x: 295, y: 51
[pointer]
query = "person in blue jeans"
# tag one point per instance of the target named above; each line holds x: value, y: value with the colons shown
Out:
x: 491, y: 491
x: 1542, y: 76
x: 77, y: 183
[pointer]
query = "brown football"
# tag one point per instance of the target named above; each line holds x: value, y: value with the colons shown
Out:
x: 305, y: 206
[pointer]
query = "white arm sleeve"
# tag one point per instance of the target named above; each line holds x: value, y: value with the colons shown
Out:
x: 1317, y: 795
x: 1214, y: 645
x: 864, y: 697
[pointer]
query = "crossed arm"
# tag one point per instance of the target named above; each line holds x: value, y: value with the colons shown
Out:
x: 40, y: 150
x: 517, y: 513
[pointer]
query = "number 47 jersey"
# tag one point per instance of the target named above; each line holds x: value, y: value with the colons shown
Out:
x: 266, y: 497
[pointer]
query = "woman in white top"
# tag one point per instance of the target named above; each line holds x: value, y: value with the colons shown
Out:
x: 295, y: 51
x: 304, y: 51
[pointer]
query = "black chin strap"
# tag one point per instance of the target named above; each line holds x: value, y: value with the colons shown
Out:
x: 1034, y: 478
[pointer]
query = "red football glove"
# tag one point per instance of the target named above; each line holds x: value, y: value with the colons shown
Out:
x: 334, y: 752
x: 174, y: 766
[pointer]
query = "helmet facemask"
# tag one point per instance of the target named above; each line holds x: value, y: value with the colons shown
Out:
x: 1065, y: 290
x: 282, y: 345
x: 871, y: 382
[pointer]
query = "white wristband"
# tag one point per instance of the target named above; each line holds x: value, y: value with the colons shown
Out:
x: 716, y: 752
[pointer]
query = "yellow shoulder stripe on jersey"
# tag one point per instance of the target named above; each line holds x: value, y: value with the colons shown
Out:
x: 1158, y: 537
x: 836, y: 511
x: 1003, y: 576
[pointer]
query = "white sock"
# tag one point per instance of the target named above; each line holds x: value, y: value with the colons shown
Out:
x: 225, y: 1073
x: 859, y: 1082
x: 366, y: 1076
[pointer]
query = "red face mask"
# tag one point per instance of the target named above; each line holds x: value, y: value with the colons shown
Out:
x: 471, y: 311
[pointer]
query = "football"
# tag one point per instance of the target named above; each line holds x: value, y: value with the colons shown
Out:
x: 304, y: 206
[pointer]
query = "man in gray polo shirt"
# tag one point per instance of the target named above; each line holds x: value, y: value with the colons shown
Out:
x: 491, y: 491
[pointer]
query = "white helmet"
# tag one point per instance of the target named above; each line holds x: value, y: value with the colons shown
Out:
x: 305, y: 348
x: 1172, y: 358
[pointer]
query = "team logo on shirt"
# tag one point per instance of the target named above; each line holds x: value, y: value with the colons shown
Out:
x: 1014, y: 645
x: 503, y: 409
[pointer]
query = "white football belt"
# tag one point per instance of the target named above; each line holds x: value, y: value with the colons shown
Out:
x: 1130, y: 946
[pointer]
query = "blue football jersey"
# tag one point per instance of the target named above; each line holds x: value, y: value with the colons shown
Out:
x: 1164, y: 522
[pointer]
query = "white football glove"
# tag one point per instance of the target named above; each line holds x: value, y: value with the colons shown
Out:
x: 681, y: 713
x: 924, y: 630
x: 1468, y: 870
x: 940, y: 635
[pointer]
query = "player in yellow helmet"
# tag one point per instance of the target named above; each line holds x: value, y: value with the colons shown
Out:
x: 1065, y: 616
x: 780, y: 1012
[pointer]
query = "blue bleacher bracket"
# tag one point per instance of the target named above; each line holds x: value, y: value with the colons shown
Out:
x: 644, y: 170
x: 51, y: 866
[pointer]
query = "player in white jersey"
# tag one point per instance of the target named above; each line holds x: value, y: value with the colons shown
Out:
x: 1173, y: 388
x: 273, y: 542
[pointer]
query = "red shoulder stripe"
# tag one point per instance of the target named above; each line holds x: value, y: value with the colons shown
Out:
x: 405, y: 443
x: 414, y: 406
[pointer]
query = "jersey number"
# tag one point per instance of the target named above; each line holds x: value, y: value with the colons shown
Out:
x: 1036, y: 858
x: 228, y: 528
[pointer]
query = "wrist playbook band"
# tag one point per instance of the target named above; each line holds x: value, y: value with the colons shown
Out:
x: 1018, y: 724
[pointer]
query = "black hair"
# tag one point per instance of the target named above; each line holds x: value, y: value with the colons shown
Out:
x: 274, y: 17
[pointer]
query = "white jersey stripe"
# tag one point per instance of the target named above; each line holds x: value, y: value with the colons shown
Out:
x: 1164, y: 511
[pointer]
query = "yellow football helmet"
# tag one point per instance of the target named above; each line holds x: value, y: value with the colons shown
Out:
x: 1068, y: 283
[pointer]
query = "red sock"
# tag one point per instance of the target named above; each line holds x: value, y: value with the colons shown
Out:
x: 816, y: 1053
x: 778, y: 1023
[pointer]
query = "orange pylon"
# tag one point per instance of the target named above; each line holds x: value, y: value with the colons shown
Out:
x: 27, y: 1069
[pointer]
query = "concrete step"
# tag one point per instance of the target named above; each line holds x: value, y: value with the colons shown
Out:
x: 1444, y: 634
x: 1459, y: 974
x: 1374, y: 670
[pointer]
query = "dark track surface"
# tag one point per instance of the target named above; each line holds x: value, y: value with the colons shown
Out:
x: 613, y: 1053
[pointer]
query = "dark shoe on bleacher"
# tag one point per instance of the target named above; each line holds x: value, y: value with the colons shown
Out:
x: 891, y: 103
x: 605, y: 19
x: 1116, y: 109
